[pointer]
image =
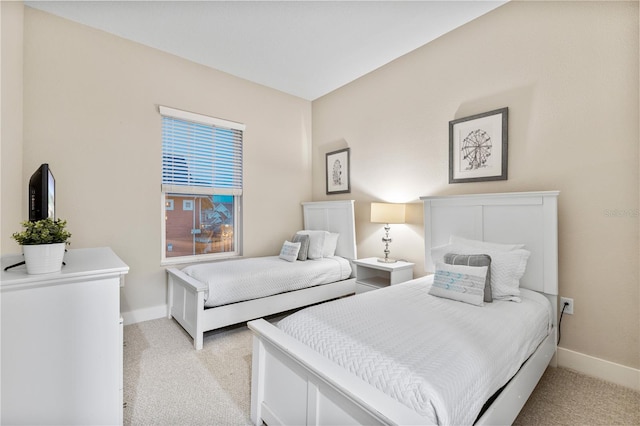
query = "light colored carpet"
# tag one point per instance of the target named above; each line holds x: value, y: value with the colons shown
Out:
x: 167, y: 382
x: 564, y: 397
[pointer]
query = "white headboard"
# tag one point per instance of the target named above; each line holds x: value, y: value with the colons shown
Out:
x: 530, y: 218
x: 334, y: 216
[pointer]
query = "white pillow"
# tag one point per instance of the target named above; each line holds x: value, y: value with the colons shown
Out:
x: 460, y: 282
x: 330, y: 244
x: 289, y: 251
x: 316, y: 243
x: 484, y: 244
x: 437, y: 253
x: 507, y: 267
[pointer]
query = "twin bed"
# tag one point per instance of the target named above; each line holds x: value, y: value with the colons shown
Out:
x: 413, y: 353
x: 213, y: 295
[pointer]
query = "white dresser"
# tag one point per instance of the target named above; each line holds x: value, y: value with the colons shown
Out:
x: 61, y: 341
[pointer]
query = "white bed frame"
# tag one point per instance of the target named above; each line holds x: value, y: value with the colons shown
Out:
x: 186, y: 295
x: 293, y: 384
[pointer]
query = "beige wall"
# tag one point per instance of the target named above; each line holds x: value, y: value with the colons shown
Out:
x: 568, y: 71
x: 11, y: 201
x: 90, y: 111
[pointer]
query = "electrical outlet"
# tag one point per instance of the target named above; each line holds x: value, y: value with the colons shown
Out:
x: 569, y: 309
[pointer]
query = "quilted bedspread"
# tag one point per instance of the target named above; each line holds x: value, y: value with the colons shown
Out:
x: 251, y: 278
x: 440, y: 357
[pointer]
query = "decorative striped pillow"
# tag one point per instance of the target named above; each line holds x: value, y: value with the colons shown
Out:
x: 460, y: 282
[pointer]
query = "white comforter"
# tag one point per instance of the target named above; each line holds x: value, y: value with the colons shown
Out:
x: 441, y: 357
x: 251, y: 278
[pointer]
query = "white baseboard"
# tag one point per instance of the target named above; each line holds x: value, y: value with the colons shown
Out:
x: 600, y: 368
x: 145, y: 314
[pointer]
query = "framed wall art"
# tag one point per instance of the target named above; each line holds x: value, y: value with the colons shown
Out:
x: 337, y: 169
x: 478, y: 147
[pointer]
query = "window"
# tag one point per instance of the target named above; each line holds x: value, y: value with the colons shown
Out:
x: 201, y: 186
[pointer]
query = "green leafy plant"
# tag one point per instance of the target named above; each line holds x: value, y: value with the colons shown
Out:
x: 45, y: 231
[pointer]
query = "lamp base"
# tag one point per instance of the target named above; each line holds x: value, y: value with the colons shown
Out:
x: 386, y: 260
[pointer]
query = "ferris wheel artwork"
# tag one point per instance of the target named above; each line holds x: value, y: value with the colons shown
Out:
x: 337, y: 170
x: 478, y: 147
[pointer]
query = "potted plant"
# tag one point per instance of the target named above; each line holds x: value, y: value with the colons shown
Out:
x: 43, y: 243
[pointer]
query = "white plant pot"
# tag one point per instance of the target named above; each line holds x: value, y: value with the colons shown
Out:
x: 43, y: 258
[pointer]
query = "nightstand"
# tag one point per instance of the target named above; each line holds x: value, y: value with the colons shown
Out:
x: 372, y: 275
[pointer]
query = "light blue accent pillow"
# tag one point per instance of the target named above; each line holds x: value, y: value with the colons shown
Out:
x: 460, y: 282
x: 289, y: 251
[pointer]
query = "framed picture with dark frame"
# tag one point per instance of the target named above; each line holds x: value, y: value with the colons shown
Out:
x: 337, y: 169
x: 478, y: 147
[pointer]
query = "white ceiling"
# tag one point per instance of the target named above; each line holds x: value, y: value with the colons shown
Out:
x: 304, y: 48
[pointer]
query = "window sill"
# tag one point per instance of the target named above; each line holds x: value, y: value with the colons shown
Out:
x: 198, y: 259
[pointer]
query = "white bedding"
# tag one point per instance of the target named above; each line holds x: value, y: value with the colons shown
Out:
x: 251, y: 278
x: 441, y: 357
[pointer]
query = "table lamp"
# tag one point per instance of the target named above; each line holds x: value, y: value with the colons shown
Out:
x: 387, y: 213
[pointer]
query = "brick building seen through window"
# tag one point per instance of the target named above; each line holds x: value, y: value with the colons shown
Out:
x: 199, y: 224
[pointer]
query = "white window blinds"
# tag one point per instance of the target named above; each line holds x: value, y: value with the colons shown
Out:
x: 200, y: 154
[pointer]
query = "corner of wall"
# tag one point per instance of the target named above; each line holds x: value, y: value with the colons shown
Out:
x: 11, y: 116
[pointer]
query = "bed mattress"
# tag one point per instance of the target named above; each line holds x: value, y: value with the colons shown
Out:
x: 440, y: 357
x: 252, y: 278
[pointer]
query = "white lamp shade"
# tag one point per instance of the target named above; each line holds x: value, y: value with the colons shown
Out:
x: 387, y: 213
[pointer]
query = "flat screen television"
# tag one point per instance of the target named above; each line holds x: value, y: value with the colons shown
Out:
x: 42, y: 194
